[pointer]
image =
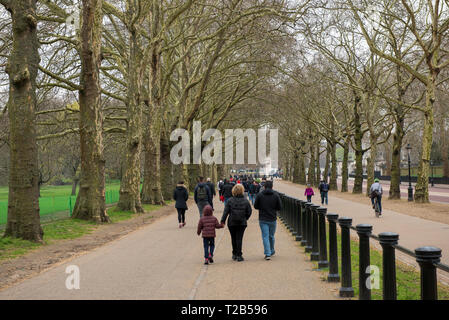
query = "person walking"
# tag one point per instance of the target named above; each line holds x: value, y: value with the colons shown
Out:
x: 181, y: 195
x: 309, y: 193
x: 376, y: 192
x: 211, y: 186
x: 253, y: 190
x: 207, y: 225
x: 268, y: 203
x: 227, y: 191
x: 202, y: 195
x: 239, y: 211
x: 324, y: 189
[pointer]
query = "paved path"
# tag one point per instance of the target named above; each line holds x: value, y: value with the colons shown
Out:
x: 438, y: 193
x: 162, y: 261
x: 413, y: 232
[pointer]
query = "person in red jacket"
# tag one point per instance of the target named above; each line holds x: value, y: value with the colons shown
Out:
x: 207, y: 225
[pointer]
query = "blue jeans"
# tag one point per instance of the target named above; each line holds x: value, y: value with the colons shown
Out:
x: 268, y: 229
x: 323, y: 197
x: 252, y: 197
x: 201, y: 206
x: 209, y: 246
x: 309, y: 198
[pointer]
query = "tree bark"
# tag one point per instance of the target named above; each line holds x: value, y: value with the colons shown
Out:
x: 90, y: 203
x: 358, y: 136
x: 23, y: 199
x: 344, y: 167
x: 395, y: 183
x: 326, y: 165
x: 333, y: 179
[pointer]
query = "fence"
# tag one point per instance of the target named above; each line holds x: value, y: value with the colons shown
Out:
x: 307, y: 223
x: 56, y: 207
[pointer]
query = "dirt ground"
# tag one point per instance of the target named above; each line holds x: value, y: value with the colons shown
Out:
x: 433, y: 211
x: 42, y: 258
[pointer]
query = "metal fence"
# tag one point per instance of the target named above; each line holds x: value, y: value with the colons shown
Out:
x: 52, y: 208
x: 307, y: 223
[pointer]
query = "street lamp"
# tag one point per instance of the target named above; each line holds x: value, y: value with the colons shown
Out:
x: 410, y: 189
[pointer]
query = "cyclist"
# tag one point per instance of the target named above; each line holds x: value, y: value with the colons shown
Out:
x: 376, y: 193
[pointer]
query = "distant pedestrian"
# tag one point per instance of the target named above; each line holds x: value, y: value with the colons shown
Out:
x: 181, y: 195
x: 239, y: 211
x: 268, y: 203
x: 253, y: 190
x: 309, y: 193
x: 227, y: 191
x: 202, y: 195
x: 211, y: 186
x: 324, y: 189
x: 207, y: 225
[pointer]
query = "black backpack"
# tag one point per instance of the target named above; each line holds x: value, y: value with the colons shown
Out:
x: 202, y: 193
x: 325, y: 187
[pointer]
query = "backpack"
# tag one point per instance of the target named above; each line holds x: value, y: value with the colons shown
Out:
x: 375, y: 194
x: 325, y: 187
x: 201, y: 193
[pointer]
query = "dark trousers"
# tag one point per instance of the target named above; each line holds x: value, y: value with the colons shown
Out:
x: 209, y: 246
x: 181, y: 215
x: 237, y: 239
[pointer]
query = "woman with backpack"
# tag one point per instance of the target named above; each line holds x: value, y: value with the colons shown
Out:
x: 237, y: 211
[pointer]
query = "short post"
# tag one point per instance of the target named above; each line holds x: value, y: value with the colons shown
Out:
x: 333, y: 275
x: 303, y: 223
x: 346, y: 289
x: 364, y: 231
x: 309, y: 227
x: 298, y: 220
x: 292, y: 216
x: 427, y: 257
x: 387, y: 240
x: 315, y: 255
x: 322, y: 263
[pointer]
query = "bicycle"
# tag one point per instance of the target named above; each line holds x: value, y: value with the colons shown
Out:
x: 376, y: 207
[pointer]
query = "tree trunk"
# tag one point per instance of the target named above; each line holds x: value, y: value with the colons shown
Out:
x: 74, y: 185
x: 166, y: 169
x: 23, y: 199
x: 358, y: 136
x: 422, y: 185
x: 311, y: 171
x: 370, y: 164
x: 130, y: 184
x: 333, y: 180
x: 326, y: 165
x: 395, y: 183
x: 302, y: 169
x: 317, y: 165
x: 90, y: 203
x: 296, y: 178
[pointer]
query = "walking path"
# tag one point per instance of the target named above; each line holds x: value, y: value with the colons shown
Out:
x: 413, y: 232
x: 162, y: 261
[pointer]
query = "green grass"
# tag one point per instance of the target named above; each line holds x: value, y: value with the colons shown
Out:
x: 407, y: 278
x: 60, y: 230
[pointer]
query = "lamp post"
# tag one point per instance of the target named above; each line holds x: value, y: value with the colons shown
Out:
x: 410, y: 189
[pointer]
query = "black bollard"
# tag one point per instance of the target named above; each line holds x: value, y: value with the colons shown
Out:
x: 346, y: 289
x: 309, y: 227
x: 387, y: 240
x: 364, y: 231
x: 281, y: 213
x: 298, y: 219
x: 333, y: 275
x: 292, y: 216
x: 322, y: 263
x: 427, y: 257
x: 315, y: 255
x: 303, y: 223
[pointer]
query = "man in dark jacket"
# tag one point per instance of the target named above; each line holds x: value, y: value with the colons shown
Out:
x: 324, y: 189
x: 239, y: 210
x: 227, y: 191
x: 202, y: 195
x: 211, y: 186
x: 181, y: 195
x: 207, y: 224
x: 268, y: 203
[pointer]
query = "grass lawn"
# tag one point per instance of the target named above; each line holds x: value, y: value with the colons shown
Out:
x: 59, y: 230
x: 407, y: 278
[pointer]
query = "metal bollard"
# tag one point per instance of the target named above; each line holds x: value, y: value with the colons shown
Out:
x: 292, y: 216
x: 427, y: 257
x: 346, y: 289
x: 298, y: 220
x: 309, y: 227
x: 387, y: 240
x: 303, y: 223
x: 333, y: 275
x: 364, y: 231
x: 322, y: 263
x: 315, y: 255
x: 282, y: 212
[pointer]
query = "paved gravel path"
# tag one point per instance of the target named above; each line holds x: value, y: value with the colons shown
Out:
x: 162, y: 261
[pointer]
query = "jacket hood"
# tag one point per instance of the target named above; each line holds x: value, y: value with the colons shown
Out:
x: 207, y: 211
x: 180, y: 186
x: 268, y: 191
